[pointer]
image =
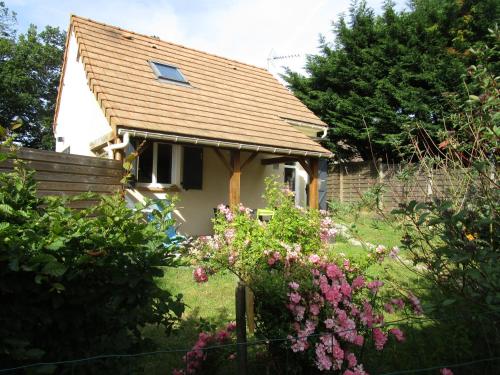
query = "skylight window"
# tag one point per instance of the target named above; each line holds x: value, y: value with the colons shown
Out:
x: 168, y: 72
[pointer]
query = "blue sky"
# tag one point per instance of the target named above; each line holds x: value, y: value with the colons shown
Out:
x: 251, y: 31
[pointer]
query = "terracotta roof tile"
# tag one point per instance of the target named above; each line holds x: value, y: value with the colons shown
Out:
x: 225, y: 100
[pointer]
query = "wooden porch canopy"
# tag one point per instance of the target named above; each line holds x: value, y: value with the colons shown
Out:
x: 235, y: 167
x: 309, y: 160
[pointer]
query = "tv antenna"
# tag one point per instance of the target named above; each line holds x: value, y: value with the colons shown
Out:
x: 273, y: 57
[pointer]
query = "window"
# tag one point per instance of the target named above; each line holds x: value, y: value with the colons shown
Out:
x: 168, y: 72
x: 157, y: 164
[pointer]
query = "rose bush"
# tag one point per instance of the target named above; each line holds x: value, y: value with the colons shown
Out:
x: 322, y: 305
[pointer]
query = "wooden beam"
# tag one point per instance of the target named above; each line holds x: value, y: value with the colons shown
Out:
x: 279, y: 160
x: 101, y: 141
x: 119, y: 154
x: 306, y: 166
x: 222, y: 159
x: 234, y: 179
x: 249, y: 160
x: 314, y: 183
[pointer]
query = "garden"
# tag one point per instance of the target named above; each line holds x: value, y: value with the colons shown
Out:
x: 352, y: 290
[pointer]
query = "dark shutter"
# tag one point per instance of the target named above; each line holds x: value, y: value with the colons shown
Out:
x: 192, y: 171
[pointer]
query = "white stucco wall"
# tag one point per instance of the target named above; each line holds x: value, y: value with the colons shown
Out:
x: 195, y: 207
x: 80, y: 119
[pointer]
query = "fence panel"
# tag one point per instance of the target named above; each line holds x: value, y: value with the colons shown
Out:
x: 66, y: 174
x: 348, y: 182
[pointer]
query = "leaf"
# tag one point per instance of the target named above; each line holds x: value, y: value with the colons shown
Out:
x: 55, y: 269
x: 57, y: 244
x: 448, y: 302
x: 58, y: 286
x: 6, y: 209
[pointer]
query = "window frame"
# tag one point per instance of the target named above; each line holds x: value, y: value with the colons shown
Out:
x: 159, y: 76
x: 295, y: 178
x: 174, y: 168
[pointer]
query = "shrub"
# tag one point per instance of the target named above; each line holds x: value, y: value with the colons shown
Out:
x: 454, y: 237
x: 320, y: 301
x: 76, y: 283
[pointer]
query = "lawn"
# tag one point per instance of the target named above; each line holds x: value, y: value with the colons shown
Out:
x: 211, y: 302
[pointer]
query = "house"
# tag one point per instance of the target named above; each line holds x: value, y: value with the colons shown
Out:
x: 210, y: 128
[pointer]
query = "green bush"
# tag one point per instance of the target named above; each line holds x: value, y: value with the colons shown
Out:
x: 77, y: 283
x: 454, y: 238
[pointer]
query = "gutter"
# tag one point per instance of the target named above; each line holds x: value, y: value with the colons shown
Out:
x: 225, y: 144
x: 118, y: 146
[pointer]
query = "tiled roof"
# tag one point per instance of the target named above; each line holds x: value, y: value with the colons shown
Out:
x: 226, y: 100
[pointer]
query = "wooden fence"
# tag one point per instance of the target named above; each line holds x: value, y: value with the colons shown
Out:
x: 348, y: 182
x: 65, y: 174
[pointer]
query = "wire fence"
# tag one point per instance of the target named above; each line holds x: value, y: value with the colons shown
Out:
x: 273, y: 355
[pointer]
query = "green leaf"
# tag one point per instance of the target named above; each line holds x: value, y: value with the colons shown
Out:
x: 55, y: 269
x: 448, y: 302
x: 57, y: 244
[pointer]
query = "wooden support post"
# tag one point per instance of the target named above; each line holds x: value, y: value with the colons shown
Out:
x: 119, y: 154
x: 234, y: 179
x: 241, y: 330
x: 314, y: 183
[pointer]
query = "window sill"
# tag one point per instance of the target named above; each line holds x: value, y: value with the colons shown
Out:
x: 159, y: 189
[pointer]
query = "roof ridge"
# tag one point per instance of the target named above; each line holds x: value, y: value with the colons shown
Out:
x: 74, y: 16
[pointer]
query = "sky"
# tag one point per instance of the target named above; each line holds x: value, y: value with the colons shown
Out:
x: 251, y: 31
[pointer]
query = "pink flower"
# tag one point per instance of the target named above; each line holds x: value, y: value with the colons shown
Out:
x: 231, y: 259
x: 333, y: 271
x: 415, y: 302
x: 380, y: 338
x: 333, y: 295
x: 200, y: 275
x: 295, y: 297
x: 314, y: 309
x: 232, y: 356
x: 394, y: 252
x: 398, y: 302
x: 366, y: 316
x: 375, y: 285
x: 229, y: 234
x: 351, y: 359
x: 338, y: 353
x: 177, y: 372
x: 222, y: 336
x: 358, y: 282
x: 359, y: 340
x: 446, y: 371
x: 398, y: 334
x: 293, y: 285
x: 329, y: 323
x: 388, y: 308
x: 231, y: 326
x: 314, y: 258
x: 345, y: 288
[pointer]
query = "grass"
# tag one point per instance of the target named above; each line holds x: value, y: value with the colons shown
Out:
x: 213, y: 302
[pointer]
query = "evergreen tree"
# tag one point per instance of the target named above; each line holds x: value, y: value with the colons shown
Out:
x: 385, y: 73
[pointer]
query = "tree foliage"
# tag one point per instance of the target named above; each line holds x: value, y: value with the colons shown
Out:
x: 386, y: 72
x: 30, y: 66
